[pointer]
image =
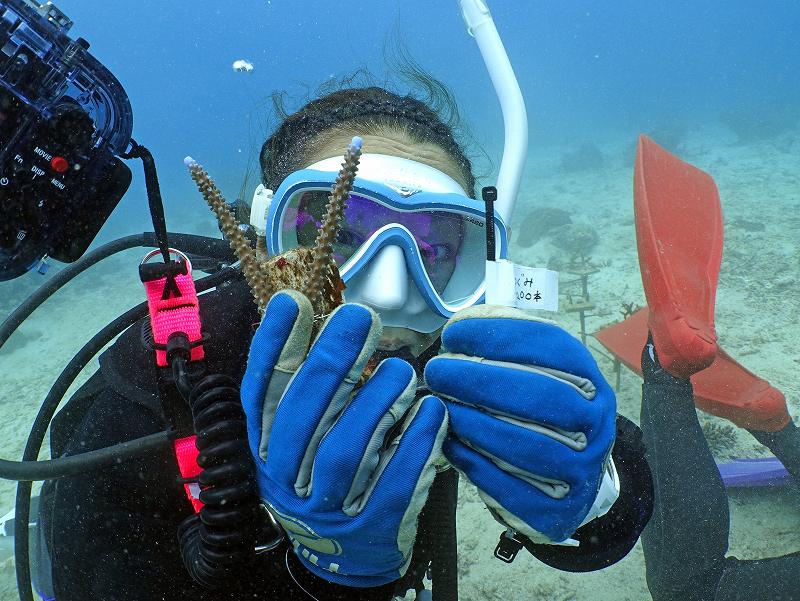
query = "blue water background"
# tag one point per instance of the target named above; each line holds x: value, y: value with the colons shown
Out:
x: 598, y: 72
x: 588, y: 70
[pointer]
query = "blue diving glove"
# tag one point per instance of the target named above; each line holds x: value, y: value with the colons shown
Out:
x: 346, y: 491
x: 532, y: 420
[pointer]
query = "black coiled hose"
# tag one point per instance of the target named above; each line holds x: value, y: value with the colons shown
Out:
x: 221, y: 539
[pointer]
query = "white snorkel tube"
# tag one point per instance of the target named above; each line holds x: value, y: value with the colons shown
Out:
x: 515, y: 119
x: 515, y: 147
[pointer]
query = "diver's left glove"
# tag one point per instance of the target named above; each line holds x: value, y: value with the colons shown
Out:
x: 532, y: 420
x: 345, y: 472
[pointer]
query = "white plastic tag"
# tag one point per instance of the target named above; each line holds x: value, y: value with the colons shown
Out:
x: 513, y: 285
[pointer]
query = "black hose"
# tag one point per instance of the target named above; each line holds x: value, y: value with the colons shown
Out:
x: 28, y: 468
x: 222, y: 536
x: 27, y: 471
x: 444, y: 564
x: 45, y: 415
x: 153, y: 195
x: 189, y: 243
x: 46, y: 290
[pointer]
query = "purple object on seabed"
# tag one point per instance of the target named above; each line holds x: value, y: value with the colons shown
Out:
x: 745, y: 473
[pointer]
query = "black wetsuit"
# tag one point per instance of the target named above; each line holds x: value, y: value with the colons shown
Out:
x: 686, y: 542
x: 112, y: 534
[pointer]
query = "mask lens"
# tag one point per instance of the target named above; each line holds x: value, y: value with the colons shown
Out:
x: 303, y: 218
x: 440, y: 235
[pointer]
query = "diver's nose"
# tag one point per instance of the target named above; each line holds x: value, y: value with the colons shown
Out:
x: 385, y: 283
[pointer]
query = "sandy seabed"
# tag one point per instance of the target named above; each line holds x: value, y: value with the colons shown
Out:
x: 757, y: 309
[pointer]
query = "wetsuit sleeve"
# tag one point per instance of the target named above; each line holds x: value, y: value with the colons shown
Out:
x: 609, y: 538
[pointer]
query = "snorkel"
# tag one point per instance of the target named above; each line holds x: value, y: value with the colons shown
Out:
x: 515, y: 119
x: 499, y: 276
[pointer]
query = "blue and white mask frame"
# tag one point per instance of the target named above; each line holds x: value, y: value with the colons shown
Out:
x: 397, y: 205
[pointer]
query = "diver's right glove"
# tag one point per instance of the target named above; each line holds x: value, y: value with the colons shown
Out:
x: 345, y: 474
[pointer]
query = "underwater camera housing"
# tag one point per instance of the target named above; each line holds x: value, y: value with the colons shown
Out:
x: 63, y: 118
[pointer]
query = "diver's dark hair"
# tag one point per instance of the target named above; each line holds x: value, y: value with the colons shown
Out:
x: 365, y: 110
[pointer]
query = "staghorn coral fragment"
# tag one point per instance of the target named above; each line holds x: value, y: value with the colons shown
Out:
x: 329, y: 230
x: 311, y: 271
x: 230, y: 227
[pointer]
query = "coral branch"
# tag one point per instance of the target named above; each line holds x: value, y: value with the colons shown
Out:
x: 329, y: 230
x: 230, y: 228
x: 311, y: 271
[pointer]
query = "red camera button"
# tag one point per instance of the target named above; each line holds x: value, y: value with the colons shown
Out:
x: 59, y: 164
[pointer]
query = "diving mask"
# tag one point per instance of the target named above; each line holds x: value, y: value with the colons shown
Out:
x: 412, y: 243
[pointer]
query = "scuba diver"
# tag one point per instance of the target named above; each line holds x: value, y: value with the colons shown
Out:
x: 347, y: 494
x: 312, y: 475
x: 679, y: 234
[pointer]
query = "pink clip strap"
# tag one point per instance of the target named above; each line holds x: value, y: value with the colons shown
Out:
x: 173, y: 308
x: 186, y: 454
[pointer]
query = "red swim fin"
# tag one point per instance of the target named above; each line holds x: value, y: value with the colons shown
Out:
x: 679, y: 237
x: 725, y: 389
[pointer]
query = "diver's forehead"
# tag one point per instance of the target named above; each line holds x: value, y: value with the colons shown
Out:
x: 391, y: 142
x: 406, y: 176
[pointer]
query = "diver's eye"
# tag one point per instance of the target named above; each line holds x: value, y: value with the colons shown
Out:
x: 438, y: 252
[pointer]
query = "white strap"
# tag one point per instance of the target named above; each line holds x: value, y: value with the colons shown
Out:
x: 607, y: 495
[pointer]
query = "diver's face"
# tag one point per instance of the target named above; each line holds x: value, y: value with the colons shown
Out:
x: 396, y: 143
